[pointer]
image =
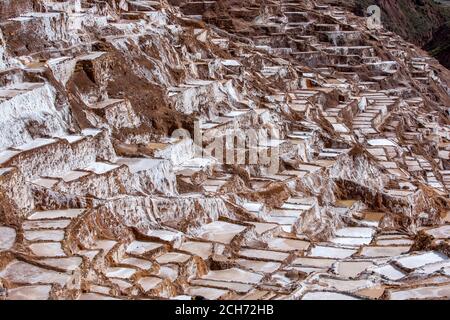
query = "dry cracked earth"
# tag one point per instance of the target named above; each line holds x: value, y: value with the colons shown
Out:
x: 99, y: 200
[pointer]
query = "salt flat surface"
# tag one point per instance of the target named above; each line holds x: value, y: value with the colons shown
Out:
x: 420, y: 260
x: 219, y: 231
x: 139, y: 164
x: 318, y: 295
x: 234, y: 275
x: 331, y: 252
x: 56, y: 214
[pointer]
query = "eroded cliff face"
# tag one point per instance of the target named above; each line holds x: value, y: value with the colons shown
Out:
x: 335, y: 176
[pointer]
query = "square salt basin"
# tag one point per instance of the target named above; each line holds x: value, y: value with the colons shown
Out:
x: 201, y: 249
x: 71, y: 175
x: 265, y: 255
x: 234, y: 286
x: 429, y: 292
x: 394, y: 242
x: 173, y: 257
x: 261, y: 228
x: 149, y: 283
x: 47, y: 249
x: 389, y: 272
x: 119, y: 272
x: 284, y: 244
x: 165, y: 235
x: 38, y: 292
x: 207, y: 293
x: 381, y: 251
x: 351, y: 269
x: 331, y: 252
x: 351, y: 242
x: 46, y: 224
x: 234, y: 275
x: 219, y: 231
x: 344, y: 284
x: 68, y: 264
x: 56, y: 214
x: 24, y: 273
x: 286, y: 213
x: 314, y: 262
x: 442, y: 232
x: 420, y: 260
x: 137, y: 263
x: 140, y: 247
x: 259, y: 266
x: 95, y: 296
x: 355, y: 232
x: 327, y: 295
x: 101, y: 167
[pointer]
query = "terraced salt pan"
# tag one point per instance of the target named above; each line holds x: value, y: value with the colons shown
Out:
x: 72, y: 175
x: 354, y: 242
x: 253, y: 206
x: 375, y: 252
x: 389, y: 272
x: 149, y: 283
x: 44, y: 235
x: 100, y: 167
x: 66, y: 264
x: 394, y: 242
x: 37, y: 143
x: 261, y: 228
x: 431, y: 292
x: 263, y: 254
x: 39, y: 292
x: 123, y: 285
x: 207, y: 293
x: 420, y: 260
x: 355, y: 232
x: 173, y: 257
x: 234, y: 275
x: 314, y: 262
x: 283, y: 244
x: 56, y: 214
x: 47, y: 249
x: 259, y: 266
x: 331, y: 252
x: 352, y: 269
x: 25, y: 273
x: 442, y: 232
x: 168, y: 271
x: 95, y: 296
x: 138, y: 164
x: 139, y: 247
x: 201, y: 249
x: 105, y: 245
x: 165, y: 235
x: 294, y: 206
x: 434, y: 267
x: 345, y: 285
x: 7, y: 238
x: 138, y: 263
x: 234, y: 286
x: 219, y: 231
x: 6, y: 155
x: 120, y: 273
x: 320, y: 295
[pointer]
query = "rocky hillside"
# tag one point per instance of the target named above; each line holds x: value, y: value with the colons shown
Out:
x: 175, y: 149
x: 422, y: 22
